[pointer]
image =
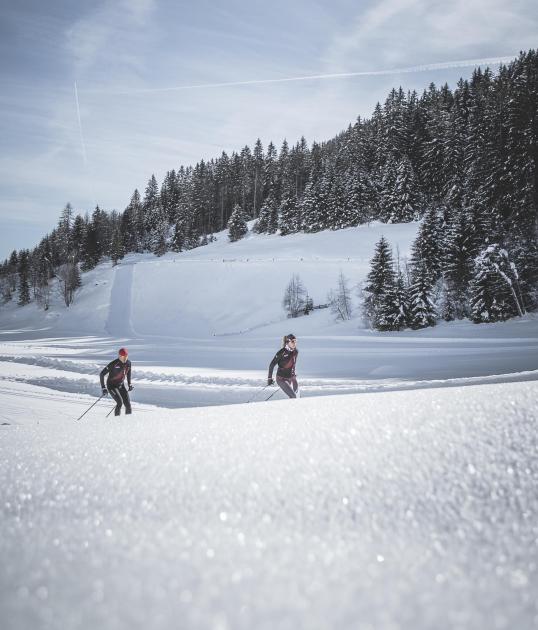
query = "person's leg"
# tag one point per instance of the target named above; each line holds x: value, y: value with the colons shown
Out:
x: 114, y: 392
x: 125, y: 397
x: 295, y: 386
x: 285, y: 386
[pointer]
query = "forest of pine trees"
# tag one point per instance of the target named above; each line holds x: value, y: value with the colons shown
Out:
x: 464, y: 161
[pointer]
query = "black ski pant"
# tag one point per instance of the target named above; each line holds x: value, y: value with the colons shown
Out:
x: 288, y: 385
x: 120, y: 395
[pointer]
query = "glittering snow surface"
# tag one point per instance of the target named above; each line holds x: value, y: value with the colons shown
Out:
x: 406, y: 509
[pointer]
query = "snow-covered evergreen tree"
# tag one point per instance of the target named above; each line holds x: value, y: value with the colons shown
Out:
x: 400, y: 317
x: 420, y: 297
x: 64, y: 232
x: 379, y: 290
x: 427, y: 247
x: 117, y: 251
x: 132, y: 225
x: 389, y: 204
x: 268, y: 219
x: 151, y: 207
x: 24, y: 284
x: 289, y: 220
x: 405, y: 203
x: 237, y: 225
x: 309, y: 207
x: 360, y: 199
x: 495, y: 293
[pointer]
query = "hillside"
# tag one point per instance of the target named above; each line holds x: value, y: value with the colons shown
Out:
x: 202, y: 326
x: 217, y: 289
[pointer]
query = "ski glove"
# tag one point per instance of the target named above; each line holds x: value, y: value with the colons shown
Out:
x: 131, y: 388
x: 105, y: 391
x: 270, y: 381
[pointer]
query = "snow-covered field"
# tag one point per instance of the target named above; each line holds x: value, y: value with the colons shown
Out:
x: 396, y: 510
x: 410, y: 503
x: 202, y: 326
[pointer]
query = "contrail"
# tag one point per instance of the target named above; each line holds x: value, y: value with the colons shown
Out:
x: 80, y: 127
x: 314, y: 77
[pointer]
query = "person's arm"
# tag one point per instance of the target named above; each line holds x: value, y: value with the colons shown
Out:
x: 129, y: 374
x: 275, y: 360
x: 104, y: 371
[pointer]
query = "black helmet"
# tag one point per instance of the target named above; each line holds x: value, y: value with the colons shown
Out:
x: 291, y: 337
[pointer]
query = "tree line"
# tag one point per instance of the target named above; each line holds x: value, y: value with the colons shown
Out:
x: 465, y: 161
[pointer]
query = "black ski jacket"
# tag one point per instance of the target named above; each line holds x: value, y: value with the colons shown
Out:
x: 286, y: 360
x: 117, y: 372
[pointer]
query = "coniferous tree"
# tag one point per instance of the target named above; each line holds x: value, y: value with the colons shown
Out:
x: 78, y: 235
x: 339, y: 215
x: 458, y: 261
x: 427, y: 247
x: 132, y: 225
x: 495, y: 292
x: 289, y: 220
x: 405, y: 205
x: 401, y: 316
x: 64, y: 233
x: 24, y: 285
x: 379, y: 290
x: 237, y: 225
x: 446, y: 306
x: 268, y: 220
x: 422, y: 307
x: 360, y: 199
x: 12, y: 270
x: 151, y: 208
x: 91, y: 255
x: 270, y: 171
x: 117, y: 251
x: 308, y: 207
x: 389, y: 202
x: 258, y: 167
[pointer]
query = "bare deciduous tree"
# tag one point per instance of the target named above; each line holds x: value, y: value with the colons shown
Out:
x: 294, y: 301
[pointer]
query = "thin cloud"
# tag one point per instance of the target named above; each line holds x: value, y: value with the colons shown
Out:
x: 313, y: 77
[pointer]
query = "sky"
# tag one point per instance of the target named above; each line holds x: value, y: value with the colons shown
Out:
x: 98, y: 96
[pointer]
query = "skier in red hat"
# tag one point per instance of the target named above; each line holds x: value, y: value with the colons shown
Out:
x: 118, y: 370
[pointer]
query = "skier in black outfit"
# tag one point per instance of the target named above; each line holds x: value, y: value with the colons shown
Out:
x: 117, y: 371
x: 285, y: 358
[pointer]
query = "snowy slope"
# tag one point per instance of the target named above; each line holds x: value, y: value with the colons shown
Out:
x: 410, y: 510
x: 202, y: 327
x: 213, y: 290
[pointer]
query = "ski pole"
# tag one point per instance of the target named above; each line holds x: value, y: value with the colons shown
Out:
x: 269, y: 398
x: 90, y: 407
x: 258, y: 391
x: 114, y: 407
